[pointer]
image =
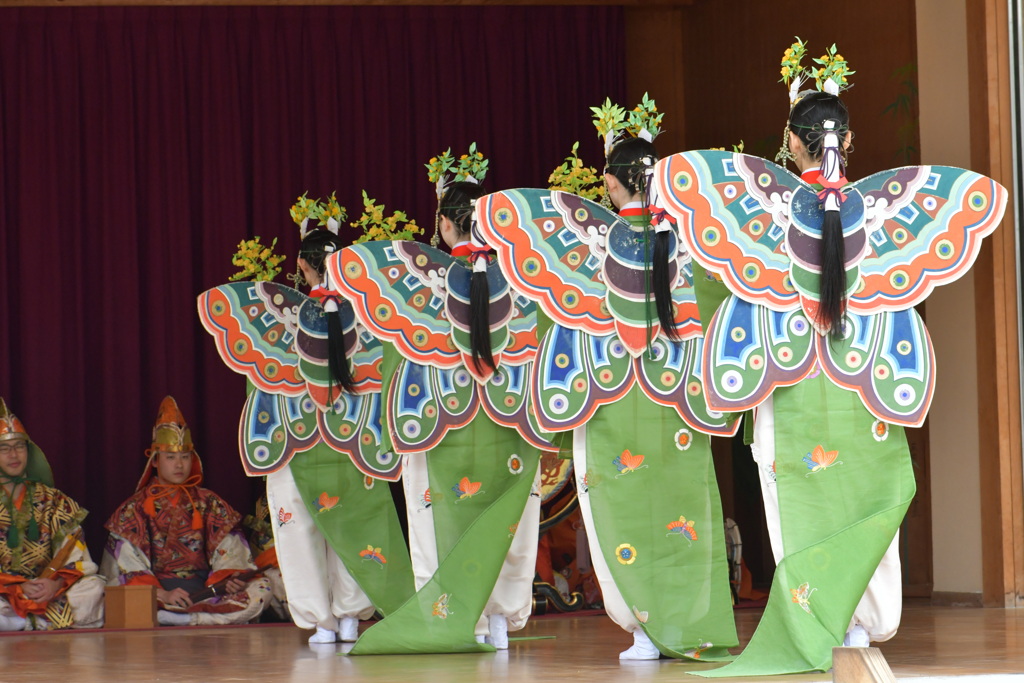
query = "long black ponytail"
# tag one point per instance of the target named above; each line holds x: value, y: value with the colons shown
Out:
x: 814, y: 117
x: 315, y: 248
x: 457, y: 205
x: 630, y: 161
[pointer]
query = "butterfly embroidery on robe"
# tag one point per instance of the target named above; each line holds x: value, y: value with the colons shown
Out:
x: 466, y: 489
x: 759, y: 227
x: 277, y: 337
x: 283, y: 517
x: 325, y: 503
x: 802, y: 596
x: 683, y: 527
x: 696, y: 652
x: 512, y: 529
x: 820, y: 459
x: 374, y: 554
x: 628, y: 463
x: 424, y: 501
x: 440, y: 607
x: 641, y: 616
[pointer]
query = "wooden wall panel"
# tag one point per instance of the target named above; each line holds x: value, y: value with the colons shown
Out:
x: 996, y: 297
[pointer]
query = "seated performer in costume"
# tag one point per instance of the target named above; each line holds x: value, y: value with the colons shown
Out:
x: 181, y: 538
x: 47, y: 579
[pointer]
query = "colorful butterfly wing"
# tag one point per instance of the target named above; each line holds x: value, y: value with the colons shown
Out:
x: 457, y: 308
x: 522, y: 343
x: 888, y: 360
x: 507, y: 399
x: 575, y: 373
x: 273, y: 428
x: 804, y: 239
x: 551, y: 245
x: 353, y: 427
x: 253, y: 325
x: 424, y: 402
x: 367, y: 362
x: 397, y: 291
x: 925, y: 227
x: 750, y: 350
x: 733, y: 213
x: 671, y: 375
x: 630, y: 300
x: 311, y: 345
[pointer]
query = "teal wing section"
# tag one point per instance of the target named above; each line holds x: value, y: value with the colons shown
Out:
x: 671, y: 375
x: 750, y: 350
x: 273, y: 429
x: 888, y: 359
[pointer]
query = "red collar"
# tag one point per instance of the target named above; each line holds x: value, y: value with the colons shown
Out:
x: 464, y: 249
x: 634, y: 211
x: 810, y: 175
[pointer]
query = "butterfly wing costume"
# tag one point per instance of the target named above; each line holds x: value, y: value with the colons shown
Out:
x: 839, y: 403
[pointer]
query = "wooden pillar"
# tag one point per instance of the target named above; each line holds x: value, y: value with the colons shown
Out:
x: 654, y: 64
x: 996, y: 296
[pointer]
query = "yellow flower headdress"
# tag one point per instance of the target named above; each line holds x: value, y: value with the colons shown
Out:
x: 471, y: 167
x: 377, y: 226
x: 572, y: 176
x: 612, y: 121
x: 301, y: 211
x: 257, y: 261
x: 829, y: 76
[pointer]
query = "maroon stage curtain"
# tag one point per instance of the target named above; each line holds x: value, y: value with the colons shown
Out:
x: 138, y: 146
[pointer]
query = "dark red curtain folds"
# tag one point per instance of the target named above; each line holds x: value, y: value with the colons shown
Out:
x: 138, y: 146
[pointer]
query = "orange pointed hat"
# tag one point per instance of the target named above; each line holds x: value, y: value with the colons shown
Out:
x: 170, y: 433
x: 11, y: 429
x: 10, y: 426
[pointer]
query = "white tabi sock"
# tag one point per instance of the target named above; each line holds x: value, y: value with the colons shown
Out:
x: 348, y: 629
x: 12, y: 623
x: 642, y: 647
x: 857, y: 637
x: 324, y: 635
x: 167, y: 618
x: 498, y: 626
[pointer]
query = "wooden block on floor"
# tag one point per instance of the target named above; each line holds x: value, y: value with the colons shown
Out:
x: 130, y: 606
x: 860, y: 665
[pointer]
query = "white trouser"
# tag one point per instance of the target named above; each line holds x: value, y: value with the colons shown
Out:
x: 512, y: 596
x: 614, y: 604
x: 320, y: 589
x: 881, y: 606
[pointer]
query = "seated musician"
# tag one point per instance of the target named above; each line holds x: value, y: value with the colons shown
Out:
x: 183, y: 539
x: 47, y: 579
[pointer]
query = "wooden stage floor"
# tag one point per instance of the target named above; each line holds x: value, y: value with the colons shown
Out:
x: 934, y: 643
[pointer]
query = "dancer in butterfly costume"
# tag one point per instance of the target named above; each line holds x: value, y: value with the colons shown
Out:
x: 619, y: 367
x: 311, y: 425
x: 820, y: 335
x: 458, y: 350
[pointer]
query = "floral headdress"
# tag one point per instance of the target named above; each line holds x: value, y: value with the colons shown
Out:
x: 257, y: 261
x: 829, y: 76
x: 572, y: 176
x: 471, y: 167
x: 376, y: 226
x: 612, y: 121
x: 328, y: 214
